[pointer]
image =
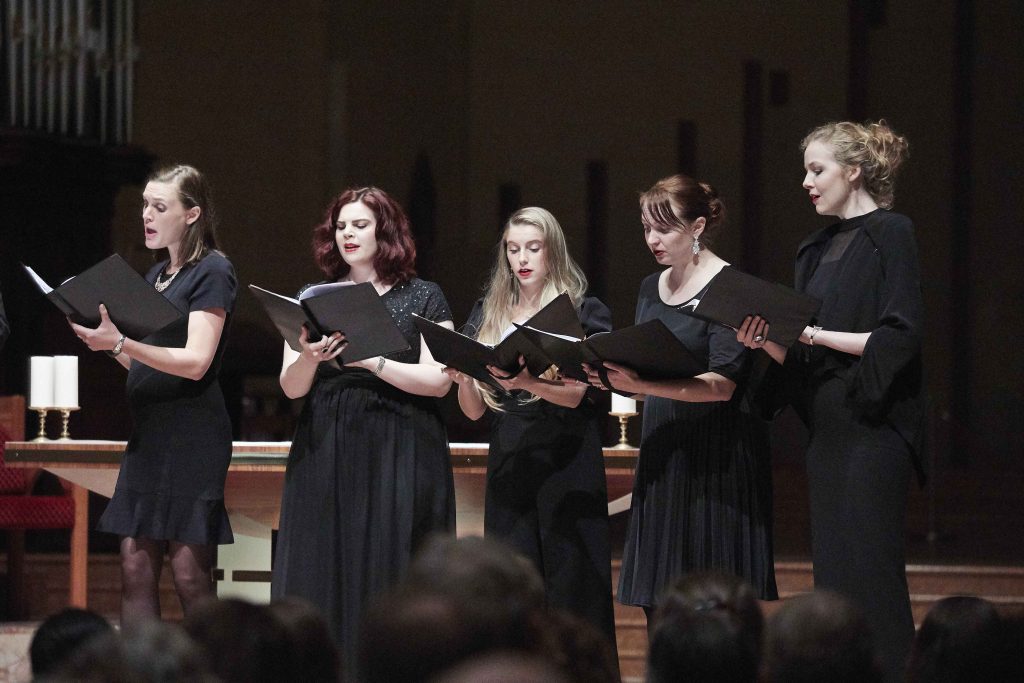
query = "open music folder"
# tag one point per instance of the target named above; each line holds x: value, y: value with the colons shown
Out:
x: 133, y: 304
x: 355, y: 310
x: 650, y: 348
x: 471, y: 357
x: 732, y: 295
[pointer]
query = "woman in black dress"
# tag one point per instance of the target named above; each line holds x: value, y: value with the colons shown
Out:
x: 546, y: 493
x: 856, y: 378
x: 702, y: 493
x: 369, y: 473
x: 170, y: 491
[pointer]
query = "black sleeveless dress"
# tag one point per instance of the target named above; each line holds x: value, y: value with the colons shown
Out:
x: 171, y: 484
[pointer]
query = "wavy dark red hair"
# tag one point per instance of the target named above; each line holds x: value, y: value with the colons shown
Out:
x: 395, y: 260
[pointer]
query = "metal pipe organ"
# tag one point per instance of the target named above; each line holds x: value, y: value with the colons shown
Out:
x: 68, y: 67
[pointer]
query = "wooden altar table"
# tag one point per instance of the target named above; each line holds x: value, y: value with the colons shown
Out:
x: 252, y: 497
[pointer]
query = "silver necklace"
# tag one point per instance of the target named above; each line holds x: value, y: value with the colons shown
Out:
x: 162, y: 284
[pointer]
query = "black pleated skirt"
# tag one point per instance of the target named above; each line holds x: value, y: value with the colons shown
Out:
x: 701, y: 500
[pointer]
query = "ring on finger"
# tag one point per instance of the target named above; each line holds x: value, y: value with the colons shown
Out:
x: 759, y: 338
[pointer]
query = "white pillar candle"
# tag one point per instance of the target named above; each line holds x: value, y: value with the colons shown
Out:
x: 623, y: 404
x: 41, y: 387
x: 65, y: 381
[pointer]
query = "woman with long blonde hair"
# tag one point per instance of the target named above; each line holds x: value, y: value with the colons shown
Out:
x: 546, y: 491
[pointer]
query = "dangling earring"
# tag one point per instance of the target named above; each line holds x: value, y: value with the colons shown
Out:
x: 696, y: 245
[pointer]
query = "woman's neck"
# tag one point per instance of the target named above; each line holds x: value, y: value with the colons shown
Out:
x: 684, y: 281
x: 360, y: 275
x: 859, y: 203
x: 530, y: 298
x: 173, y: 264
x: 681, y: 273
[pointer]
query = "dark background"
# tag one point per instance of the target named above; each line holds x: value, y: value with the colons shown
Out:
x: 466, y: 110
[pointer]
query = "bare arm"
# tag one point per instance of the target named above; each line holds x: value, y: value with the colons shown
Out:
x: 298, y: 369
x: 852, y: 343
x: 471, y: 401
x: 559, y: 392
x: 754, y: 328
x: 425, y: 378
x: 191, y: 362
x: 704, y: 388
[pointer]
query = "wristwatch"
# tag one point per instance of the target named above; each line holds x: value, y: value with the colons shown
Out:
x: 114, y: 352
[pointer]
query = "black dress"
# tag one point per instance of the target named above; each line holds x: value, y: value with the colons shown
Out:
x: 546, y: 492
x: 864, y: 415
x: 369, y: 477
x: 171, y: 484
x: 702, y: 493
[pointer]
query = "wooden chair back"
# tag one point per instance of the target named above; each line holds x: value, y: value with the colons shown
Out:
x: 12, y: 417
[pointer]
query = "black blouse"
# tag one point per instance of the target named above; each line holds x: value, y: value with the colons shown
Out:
x: 875, y: 288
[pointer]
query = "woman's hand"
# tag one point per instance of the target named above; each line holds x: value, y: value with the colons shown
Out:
x: 459, y: 378
x: 619, y: 377
x: 104, y: 338
x: 327, y: 348
x: 520, y: 379
x: 753, y: 334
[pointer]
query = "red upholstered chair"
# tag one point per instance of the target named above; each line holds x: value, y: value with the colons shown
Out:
x: 21, y: 511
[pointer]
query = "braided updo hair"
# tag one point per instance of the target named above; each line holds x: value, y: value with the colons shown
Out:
x: 874, y: 148
x: 678, y: 200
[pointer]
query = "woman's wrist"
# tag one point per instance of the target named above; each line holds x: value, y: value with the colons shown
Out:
x: 118, y: 347
x: 815, y: 331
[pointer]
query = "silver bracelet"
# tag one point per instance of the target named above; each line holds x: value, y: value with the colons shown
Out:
x: 380, y: 366
x: 810, y: 338
x: 114, y: 352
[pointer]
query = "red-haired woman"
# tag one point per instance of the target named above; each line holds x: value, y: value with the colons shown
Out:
x: 369, y: 475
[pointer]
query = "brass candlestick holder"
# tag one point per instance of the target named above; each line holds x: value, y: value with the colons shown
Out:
x: 65, y: 417
x: 42, y: 423
x: 623, y: 443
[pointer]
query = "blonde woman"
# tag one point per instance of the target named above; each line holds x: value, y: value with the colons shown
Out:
x: 546, y: 491
x: 856, y: 376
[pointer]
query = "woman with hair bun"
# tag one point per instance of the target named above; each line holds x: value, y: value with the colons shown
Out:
x: 702, y: 493
x: 856, y: 377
